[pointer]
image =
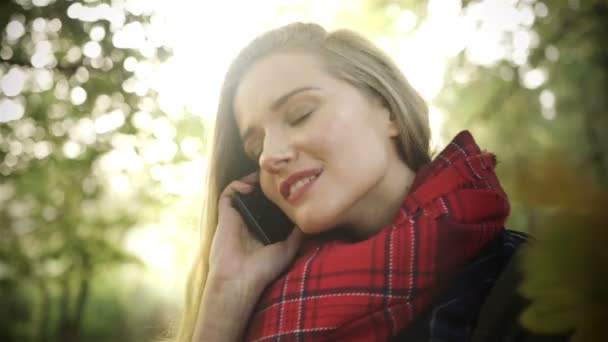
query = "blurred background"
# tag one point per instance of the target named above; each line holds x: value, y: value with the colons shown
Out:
x: 104, y: 109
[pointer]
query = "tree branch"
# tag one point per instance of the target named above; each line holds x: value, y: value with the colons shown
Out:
x: 22, y: 63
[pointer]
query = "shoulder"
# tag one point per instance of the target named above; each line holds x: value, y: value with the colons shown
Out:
x: 483, y: 303
x: 498, y: 318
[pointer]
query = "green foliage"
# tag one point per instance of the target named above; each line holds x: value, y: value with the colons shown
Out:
x: 551, y: 141
x: 565, y: 278
x: 61, y: 222
x: 564, y: 271
x: 525, y: 124
x: 66, y: 208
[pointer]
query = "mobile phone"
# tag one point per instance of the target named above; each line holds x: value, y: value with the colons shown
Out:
x: 265, y: 220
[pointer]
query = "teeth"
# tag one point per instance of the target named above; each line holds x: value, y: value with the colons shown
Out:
x: 297, y: 185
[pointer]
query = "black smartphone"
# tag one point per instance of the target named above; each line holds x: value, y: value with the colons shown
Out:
x: 265, y: 220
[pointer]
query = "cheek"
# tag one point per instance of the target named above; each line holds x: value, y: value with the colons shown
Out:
x: 352, y: 148
x: 268, y: 188
x: 329, y: 137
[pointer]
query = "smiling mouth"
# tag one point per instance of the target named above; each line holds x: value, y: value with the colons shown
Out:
x: 297, y: 184
x: 299, y: 188
x: 300, y: 184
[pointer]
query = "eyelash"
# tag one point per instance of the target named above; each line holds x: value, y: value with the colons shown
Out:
x: 302, y: 118
x: 256, y: 156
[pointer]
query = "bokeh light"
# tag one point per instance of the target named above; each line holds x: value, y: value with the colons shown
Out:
x: 117, y: 119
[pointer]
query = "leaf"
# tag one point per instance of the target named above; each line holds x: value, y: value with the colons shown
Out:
x: 565, y: 278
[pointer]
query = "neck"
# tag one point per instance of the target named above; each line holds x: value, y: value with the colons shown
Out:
x: 379, y: 207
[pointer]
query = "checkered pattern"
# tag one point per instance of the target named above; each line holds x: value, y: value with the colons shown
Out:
x: 371, y: 290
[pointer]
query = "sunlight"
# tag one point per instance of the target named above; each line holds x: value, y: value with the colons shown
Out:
x: 10, y: 110
x: 204, y: 39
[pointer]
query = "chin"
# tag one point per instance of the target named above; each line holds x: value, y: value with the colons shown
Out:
x: 315, y: 224
x: 314, y: 219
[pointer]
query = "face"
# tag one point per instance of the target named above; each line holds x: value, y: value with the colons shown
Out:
x: 326, y: 150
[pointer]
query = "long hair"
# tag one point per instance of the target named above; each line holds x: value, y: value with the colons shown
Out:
x: 346, y: 56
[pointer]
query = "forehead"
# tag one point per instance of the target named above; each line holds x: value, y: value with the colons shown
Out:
x: 272, y: 77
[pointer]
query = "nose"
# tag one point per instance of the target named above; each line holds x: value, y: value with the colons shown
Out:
x: 277, y: 152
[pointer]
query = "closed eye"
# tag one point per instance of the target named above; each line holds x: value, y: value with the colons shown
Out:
x: 300, y: 119
x: 254, y: 148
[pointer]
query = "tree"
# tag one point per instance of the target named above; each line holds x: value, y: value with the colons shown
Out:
x: 73, y: 112
x: 542, y: 109
x: 531, y: 81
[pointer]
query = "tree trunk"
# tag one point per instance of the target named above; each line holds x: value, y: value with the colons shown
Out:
x: 42, y: 333
x: 81, y: 300
x: 64, y: 326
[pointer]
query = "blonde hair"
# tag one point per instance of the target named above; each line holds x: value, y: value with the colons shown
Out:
x: 348, y: 57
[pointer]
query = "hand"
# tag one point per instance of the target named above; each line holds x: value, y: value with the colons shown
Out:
x: 236, y: 255
x: 240, y: 267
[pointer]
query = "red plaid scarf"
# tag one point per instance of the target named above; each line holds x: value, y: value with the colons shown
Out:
x: 371, y: 290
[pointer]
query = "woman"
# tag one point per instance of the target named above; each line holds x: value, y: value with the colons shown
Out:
x: 339, y: 140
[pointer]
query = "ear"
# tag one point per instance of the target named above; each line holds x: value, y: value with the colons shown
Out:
x: 391, y: 122
x: 393, y: 127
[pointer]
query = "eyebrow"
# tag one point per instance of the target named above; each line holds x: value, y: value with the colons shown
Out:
x: 278, y: 103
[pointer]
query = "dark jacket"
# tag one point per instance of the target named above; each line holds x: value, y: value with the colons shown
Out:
x: 483, y: 304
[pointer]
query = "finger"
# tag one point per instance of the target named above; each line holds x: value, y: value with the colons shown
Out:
x: 237, y: 186
x: 251, y: 178
x: 226, y: 213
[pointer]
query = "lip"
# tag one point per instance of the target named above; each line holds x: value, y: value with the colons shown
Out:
x: 293, y: 178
